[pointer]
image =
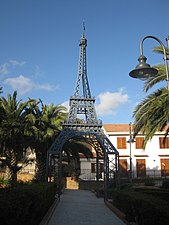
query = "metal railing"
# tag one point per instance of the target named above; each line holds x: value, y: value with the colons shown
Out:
x: 145, y: 173
x: 87, y: 174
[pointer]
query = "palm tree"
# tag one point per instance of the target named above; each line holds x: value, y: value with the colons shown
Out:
x: 152, y: 113
x: 46, y: 125
x: 13, y: 122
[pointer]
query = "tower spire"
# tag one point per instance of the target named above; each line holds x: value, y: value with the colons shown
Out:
x: 82, y: 85
x: 82, y: 102
x: 83, y: 29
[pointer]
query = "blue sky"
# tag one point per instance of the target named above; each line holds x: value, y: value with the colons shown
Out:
x: 39, y: 49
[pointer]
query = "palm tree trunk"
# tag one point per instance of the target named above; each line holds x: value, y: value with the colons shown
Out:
x: 13, y: 178
x: 11, y: 162
x: 40, y: 175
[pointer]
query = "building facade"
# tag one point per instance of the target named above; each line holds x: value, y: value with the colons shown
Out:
x: 151, y: 161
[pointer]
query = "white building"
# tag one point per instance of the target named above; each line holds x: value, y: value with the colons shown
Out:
x: 151, y: 161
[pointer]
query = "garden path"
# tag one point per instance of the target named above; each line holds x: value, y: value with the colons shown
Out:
x: 81, y: 207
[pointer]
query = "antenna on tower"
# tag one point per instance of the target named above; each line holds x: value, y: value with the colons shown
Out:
x: 83, y: 29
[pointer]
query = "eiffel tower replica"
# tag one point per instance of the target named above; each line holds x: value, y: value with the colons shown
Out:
x: 82, y: 104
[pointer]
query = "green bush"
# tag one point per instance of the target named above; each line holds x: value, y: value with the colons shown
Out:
x: 25, y: 204
x: 149, y: 182
x: 163, y: 194
x: 141, y: 208
x: 165, y: 184
x: 4, y: 182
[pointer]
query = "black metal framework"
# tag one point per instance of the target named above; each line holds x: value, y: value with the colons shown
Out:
x: 81, y: 103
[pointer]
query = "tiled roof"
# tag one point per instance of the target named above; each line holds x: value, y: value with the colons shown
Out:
x: 116, y: 127
x: 121, y: 127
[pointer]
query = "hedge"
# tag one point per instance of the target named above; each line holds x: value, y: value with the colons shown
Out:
x: 163, y: 194
x: 165, y: 184
x: 141, y: 208
x: 25, y: 205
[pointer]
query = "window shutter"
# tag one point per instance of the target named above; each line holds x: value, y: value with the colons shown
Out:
x: 139, y: 142
x: 121, y: 142
x: 164, y: 143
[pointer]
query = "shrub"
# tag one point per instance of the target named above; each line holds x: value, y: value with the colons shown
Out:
x: 165, y: 184
x: 142, y: 208
x: 3, y: 183
x: 163, y: 194
x: 149, y: 182
x: 25, y: 204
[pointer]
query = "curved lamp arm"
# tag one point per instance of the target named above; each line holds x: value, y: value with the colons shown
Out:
x: 165, y: 55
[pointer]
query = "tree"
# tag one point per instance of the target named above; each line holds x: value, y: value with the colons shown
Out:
x: 46, y: 124
x: 152, y: 113
x: 13, y: 123
x: 28, y: 124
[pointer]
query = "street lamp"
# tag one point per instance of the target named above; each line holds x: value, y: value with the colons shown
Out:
x: 143, y: 69
x: 130, y: 141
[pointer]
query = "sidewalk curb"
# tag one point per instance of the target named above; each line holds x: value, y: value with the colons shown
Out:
x: 49, y: 213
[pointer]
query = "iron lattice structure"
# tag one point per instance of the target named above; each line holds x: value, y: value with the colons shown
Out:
x: 81, y: 103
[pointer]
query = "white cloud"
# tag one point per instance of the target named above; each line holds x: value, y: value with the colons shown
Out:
x: 45, y: 87
x: 16, y: 63
x: 38, y: 72
x: 24, y: 84
x: 4, y: 69
x: 66, y: 104
x: 109, y: 102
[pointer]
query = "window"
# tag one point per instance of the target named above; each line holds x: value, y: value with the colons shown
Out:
x: 121, y: 143
x: 141, y: 167
x: 164, y: 143
x: 164, y: 167
x: 123, y: 167
x: 139, y: 142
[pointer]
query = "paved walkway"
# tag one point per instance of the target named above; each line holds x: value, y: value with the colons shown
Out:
x: 80, y: 207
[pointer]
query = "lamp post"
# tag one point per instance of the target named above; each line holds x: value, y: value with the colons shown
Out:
x: 130, y: 141
x: 143, y: 69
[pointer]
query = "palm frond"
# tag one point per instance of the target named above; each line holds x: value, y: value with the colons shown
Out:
x: 152, y: 80
x: 159, y: 49
x: 152, y: 114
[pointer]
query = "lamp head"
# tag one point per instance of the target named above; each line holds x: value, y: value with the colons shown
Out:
x: 143, y: 69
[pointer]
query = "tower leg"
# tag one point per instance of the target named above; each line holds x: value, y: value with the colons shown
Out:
x: 59, y: 184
